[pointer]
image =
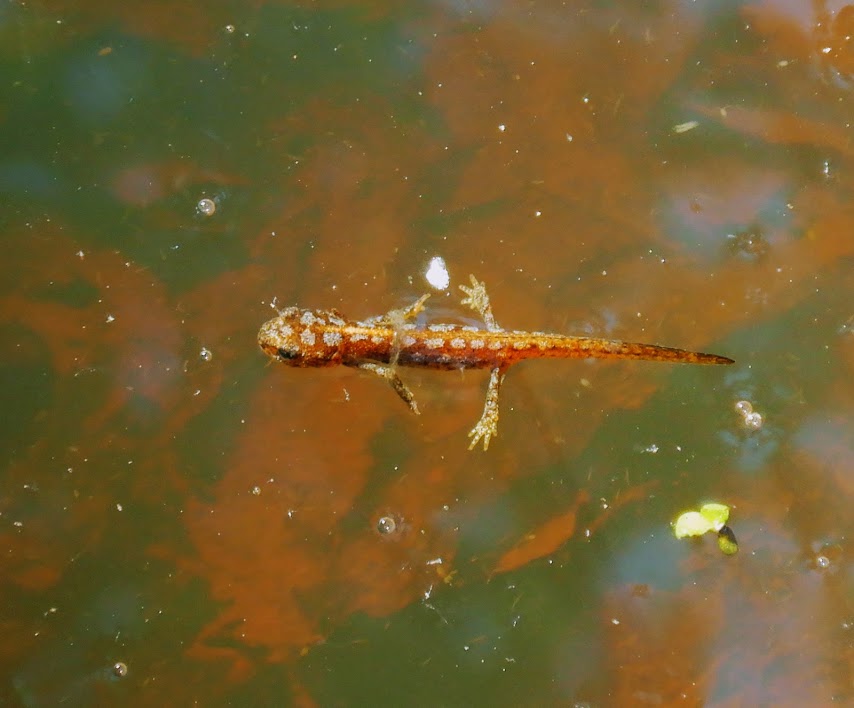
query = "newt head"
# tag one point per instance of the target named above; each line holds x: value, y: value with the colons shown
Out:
x: 302, y: 338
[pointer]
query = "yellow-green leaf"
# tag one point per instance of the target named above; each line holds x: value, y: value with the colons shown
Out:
x: 717, y: 514
x: 691, y: 523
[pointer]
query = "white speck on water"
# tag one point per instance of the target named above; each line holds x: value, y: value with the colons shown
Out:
x: 437, y: 273
x: 685, y: 127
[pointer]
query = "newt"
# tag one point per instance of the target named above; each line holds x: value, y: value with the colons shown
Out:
x: 318, y: 338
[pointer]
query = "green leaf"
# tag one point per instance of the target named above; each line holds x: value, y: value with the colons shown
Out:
x: 691, y: 523
x: 717, y: 514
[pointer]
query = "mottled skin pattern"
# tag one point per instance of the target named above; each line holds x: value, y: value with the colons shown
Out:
x: 379, y: 344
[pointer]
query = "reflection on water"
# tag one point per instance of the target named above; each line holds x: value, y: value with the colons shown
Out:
x: 182, y: 523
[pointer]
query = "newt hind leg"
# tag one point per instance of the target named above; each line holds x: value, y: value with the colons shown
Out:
x: 487, y: 426
x: 477, y: 299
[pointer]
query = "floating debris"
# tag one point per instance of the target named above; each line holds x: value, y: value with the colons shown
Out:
x: 710, y: 517
x: 437, y: 273
x: 748, y: 244
x: 727, y: 541
x: 685, y: 127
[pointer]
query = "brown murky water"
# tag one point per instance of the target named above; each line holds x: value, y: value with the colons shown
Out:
x: 180, y: 522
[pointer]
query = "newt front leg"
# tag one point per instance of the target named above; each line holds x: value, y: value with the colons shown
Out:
x: 395, y: 319
x: 390, y: 374
x: 477, y: 299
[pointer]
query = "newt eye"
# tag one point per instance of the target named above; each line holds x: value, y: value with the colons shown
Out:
x: 287, y: 353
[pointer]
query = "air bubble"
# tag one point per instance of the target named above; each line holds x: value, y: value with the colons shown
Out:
x: 206, y: 354
x: 386, y: 525
x: 744, y: 407
x: 206, y: 207
x: 753, y: 421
